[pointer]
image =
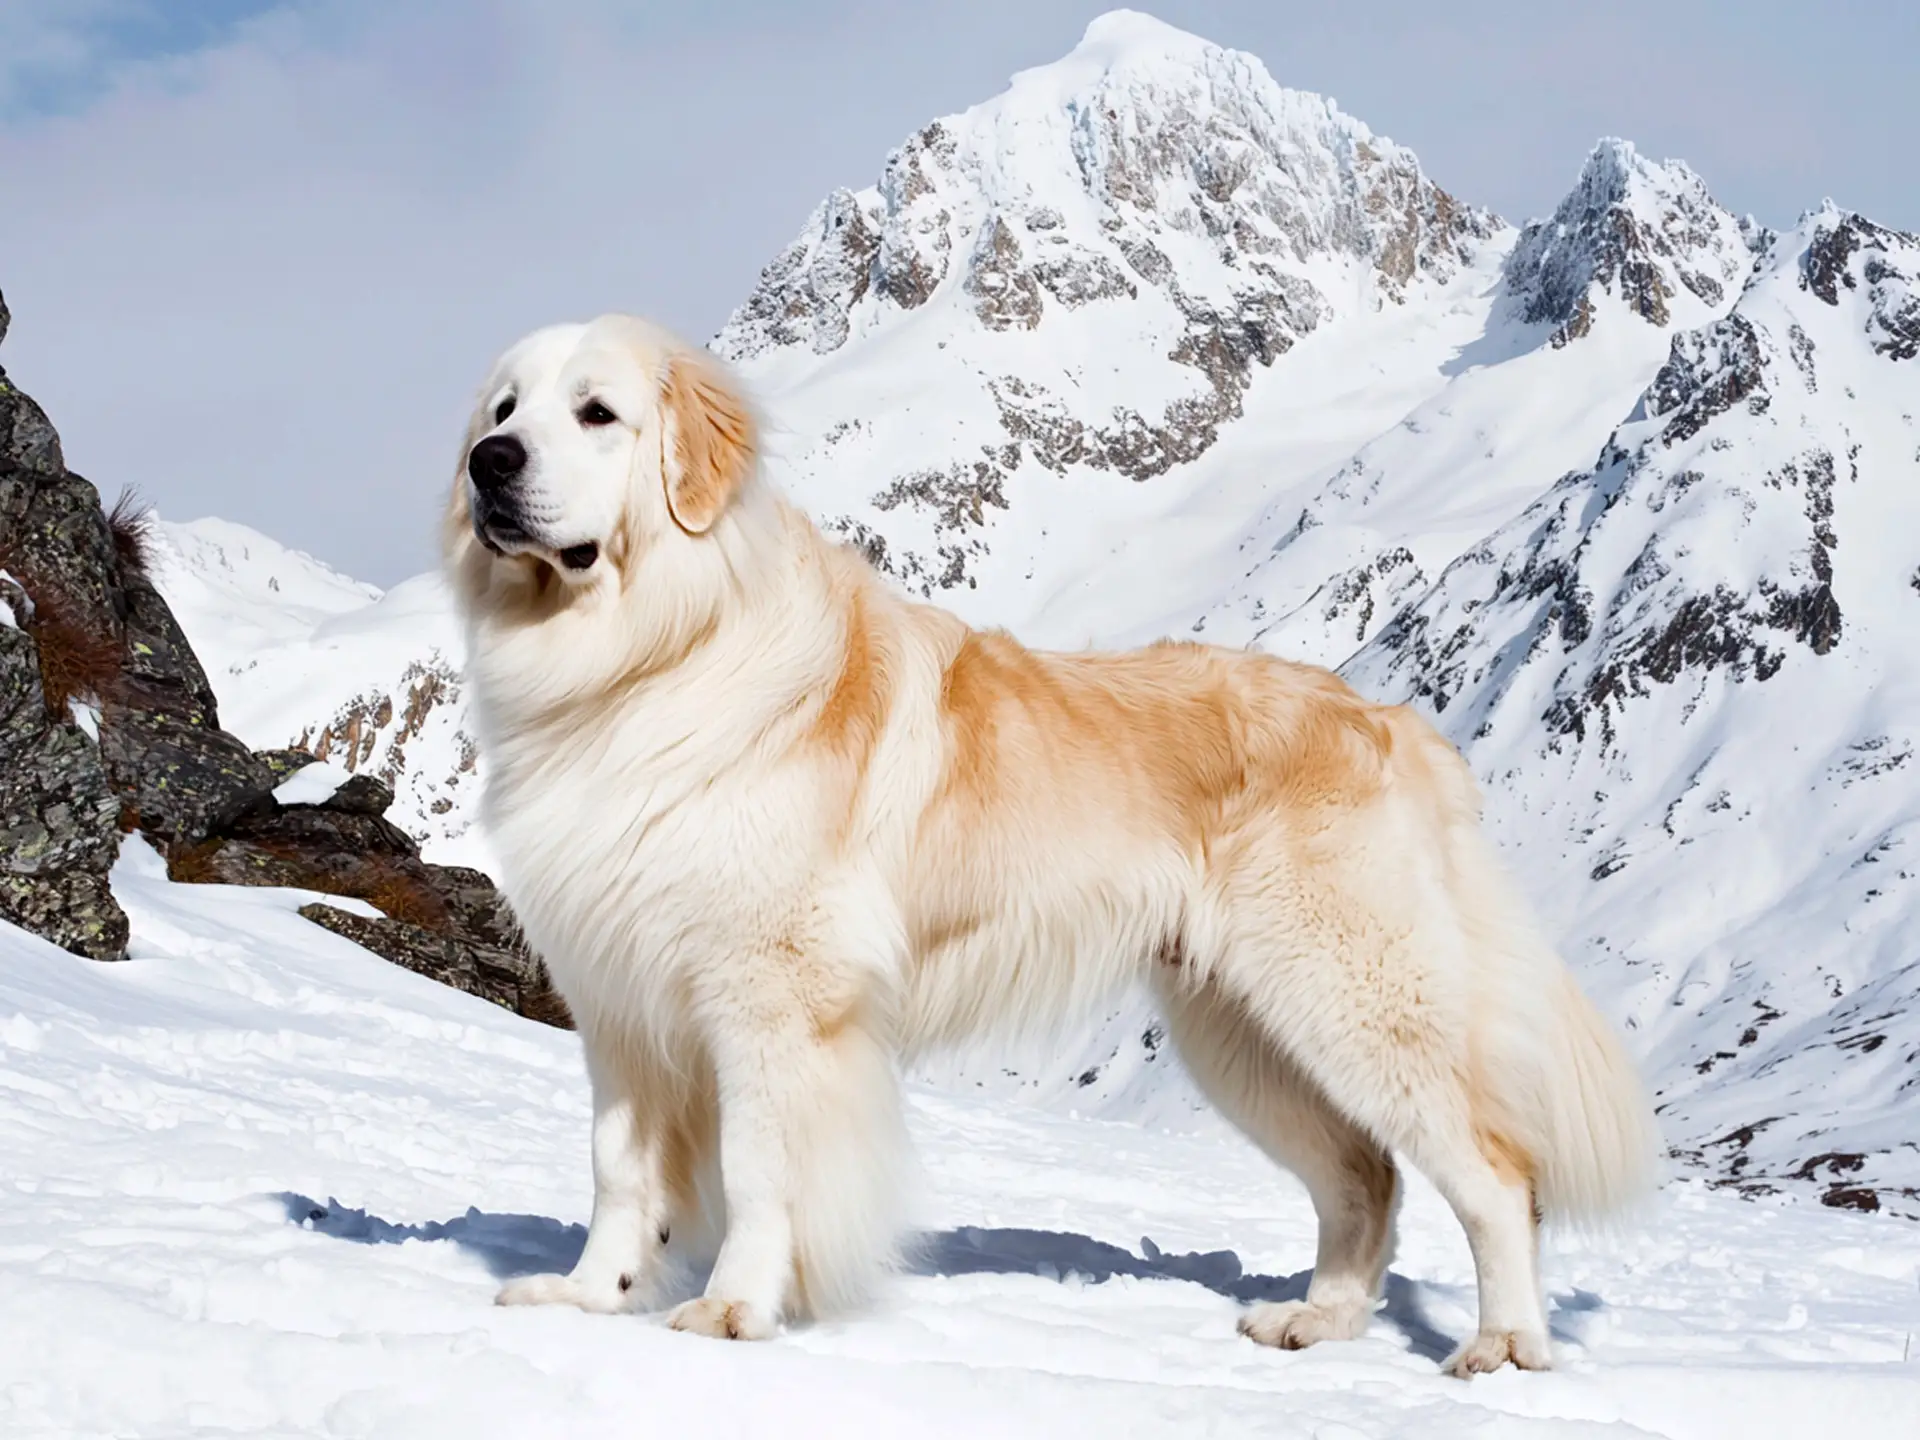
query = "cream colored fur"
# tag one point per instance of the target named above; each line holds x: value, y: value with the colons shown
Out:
x: 775, y: 828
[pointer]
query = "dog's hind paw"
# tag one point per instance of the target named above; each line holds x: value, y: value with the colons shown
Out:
x: 1296, y: 1324
x: 561, y: 1290
x: 723, y: 1319
x: 1491, y: 1349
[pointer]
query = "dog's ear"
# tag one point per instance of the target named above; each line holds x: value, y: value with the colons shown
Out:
x: 708, y: 441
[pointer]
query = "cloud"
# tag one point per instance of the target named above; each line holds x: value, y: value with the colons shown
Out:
x: 256, y: 268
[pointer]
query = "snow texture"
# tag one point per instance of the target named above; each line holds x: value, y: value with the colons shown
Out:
x: 261, y: 1182
x: 311, y: 784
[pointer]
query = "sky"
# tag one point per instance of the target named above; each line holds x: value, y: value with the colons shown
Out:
x: 259, y: 252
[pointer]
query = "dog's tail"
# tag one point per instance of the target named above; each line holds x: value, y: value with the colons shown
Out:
x: 1550, y: 1078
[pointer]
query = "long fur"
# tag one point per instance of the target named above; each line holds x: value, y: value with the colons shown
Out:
x: 773, y: 826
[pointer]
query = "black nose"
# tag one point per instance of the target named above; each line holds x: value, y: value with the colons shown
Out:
x: 495, y: 461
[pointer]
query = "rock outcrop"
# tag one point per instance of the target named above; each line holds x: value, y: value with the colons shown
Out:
x: 443, y: 921
x: 108, y: 725
x: 59, y: 812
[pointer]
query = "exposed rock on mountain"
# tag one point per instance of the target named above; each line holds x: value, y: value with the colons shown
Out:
x: 1634, y: 230
x: 58, y: 810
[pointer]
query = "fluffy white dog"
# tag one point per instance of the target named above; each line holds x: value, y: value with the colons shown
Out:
x: 774, y: 827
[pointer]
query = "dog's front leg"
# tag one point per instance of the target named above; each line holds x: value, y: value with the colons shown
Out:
x: 630, y: 1212
x: 758, y: 1072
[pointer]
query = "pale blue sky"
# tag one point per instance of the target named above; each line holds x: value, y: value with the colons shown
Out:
x: 257, y: 253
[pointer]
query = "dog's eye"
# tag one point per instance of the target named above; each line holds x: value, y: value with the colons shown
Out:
x: 503, y: 410
x: 593, y: 413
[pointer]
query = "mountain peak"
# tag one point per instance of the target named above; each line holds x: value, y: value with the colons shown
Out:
x: 1148, y: 188
x: 1144, y: 153
x: 1644, y: 233
x: 1127, y: 33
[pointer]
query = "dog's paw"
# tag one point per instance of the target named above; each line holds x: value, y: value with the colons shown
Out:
x: 561, y: 1290
x: 1491, y: 1349
x: 723, y: 1319
x: 1296, y: 1324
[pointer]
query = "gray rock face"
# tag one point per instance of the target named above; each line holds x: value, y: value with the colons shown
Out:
x: 180, y: 774
x: 57, y: 815
x: 58, y: 811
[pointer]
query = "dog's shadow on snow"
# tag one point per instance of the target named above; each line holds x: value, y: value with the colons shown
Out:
x: 1054, y: 1255
x: 508, y: 1245
x: 515, y: 1245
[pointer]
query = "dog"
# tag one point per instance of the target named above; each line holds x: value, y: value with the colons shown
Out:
x: 776, y: 829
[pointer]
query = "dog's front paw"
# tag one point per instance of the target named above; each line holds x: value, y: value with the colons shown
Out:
x: 561, y: 1290
x: 1296, y: 1324
x: 1491, y: 1349
x: 723, y: 1319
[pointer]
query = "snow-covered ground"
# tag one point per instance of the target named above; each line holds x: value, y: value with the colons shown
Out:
x: 260, y: 1182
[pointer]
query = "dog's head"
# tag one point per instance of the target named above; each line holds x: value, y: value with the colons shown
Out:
x: 591, y: 449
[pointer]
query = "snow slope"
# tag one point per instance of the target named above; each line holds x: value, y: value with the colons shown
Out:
x: 261, y: 1182
x: 1150, y: 345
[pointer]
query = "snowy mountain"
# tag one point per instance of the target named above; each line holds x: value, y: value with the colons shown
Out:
x: 1688, y: 675
x: 1036, y: 330
x: 1149, y: 345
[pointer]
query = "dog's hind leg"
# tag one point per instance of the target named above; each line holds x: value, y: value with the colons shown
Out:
x: 645, y: 1136
x: 1487, y: 1182
x: 1349, y: 1176
x: 1369, y: 991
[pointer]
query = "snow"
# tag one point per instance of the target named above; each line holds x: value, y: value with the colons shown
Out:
x: 260, y: 1181
x: 311, y: 784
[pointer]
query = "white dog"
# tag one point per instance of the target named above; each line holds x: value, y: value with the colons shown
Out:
x: 774, y: 827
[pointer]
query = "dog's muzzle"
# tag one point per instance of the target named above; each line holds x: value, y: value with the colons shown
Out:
x: 493, y: 466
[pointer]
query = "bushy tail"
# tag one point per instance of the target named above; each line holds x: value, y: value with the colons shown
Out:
x: 1563, y: 1085
x: 1552, y: 1076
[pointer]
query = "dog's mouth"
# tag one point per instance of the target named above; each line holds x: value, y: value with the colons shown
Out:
x: 502, y: 537
x: 503, y: 534
x: 499, y: 526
